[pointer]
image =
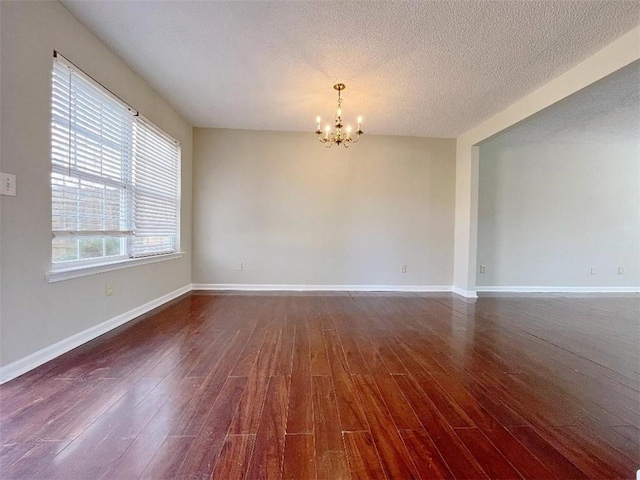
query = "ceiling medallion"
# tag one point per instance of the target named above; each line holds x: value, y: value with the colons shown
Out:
x: 338, y: 136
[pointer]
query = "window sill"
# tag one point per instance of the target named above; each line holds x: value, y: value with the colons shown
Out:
x: 74, y: 272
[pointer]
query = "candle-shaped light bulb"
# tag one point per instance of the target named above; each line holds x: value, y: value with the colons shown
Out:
x: 327, y: 129
x: 318, y: 119
x: 339, y: 112
x: 359, y: 120
x: 348, y: 128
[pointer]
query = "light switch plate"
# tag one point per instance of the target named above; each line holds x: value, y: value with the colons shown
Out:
x: 7, y: 184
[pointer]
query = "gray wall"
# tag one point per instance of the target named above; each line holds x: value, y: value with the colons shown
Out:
x: 35, y: 314
x: 549, y: 212
x: 296, y: 213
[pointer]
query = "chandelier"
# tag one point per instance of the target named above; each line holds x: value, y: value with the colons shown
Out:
x: 338, y: 136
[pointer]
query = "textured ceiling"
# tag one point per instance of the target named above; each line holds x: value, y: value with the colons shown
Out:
x: 430, y: 68
x: 607, y: 111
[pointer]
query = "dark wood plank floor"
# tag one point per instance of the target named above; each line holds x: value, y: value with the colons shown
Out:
x: 338, y: 386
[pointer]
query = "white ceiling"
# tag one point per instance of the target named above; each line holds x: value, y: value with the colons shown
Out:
x: 607, y: 111
x: 422, y: 68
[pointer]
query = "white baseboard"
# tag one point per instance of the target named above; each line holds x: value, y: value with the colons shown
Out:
x: 533, y: 289
x: 17, y: 368
x: 319, y: 288
x: 464, y: 293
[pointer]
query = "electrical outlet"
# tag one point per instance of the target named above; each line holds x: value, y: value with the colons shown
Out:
x: 108, y: 289
x: 239, y: 266
x: 620, y: 270
x: 593, y: 270
x: 483, y: 269
x: 7, y: 184
x: 403, y: 269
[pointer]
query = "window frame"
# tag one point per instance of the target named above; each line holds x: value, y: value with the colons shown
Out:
x: 63, y: 270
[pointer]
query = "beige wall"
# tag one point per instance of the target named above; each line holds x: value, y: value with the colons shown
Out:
x: 549, y: 212
x: 35, y: 314
x: 296, y: 213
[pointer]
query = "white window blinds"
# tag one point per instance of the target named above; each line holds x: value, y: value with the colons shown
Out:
x: 155, y: 181
x: 90, y: 156
x: 114, y: 174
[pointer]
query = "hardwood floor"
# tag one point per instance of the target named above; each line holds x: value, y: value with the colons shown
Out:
x: 337, y: 386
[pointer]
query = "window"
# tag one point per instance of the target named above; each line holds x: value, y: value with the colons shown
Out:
x: 114, y: 177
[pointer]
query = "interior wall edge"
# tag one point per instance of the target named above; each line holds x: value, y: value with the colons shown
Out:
x: 464, y: 293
